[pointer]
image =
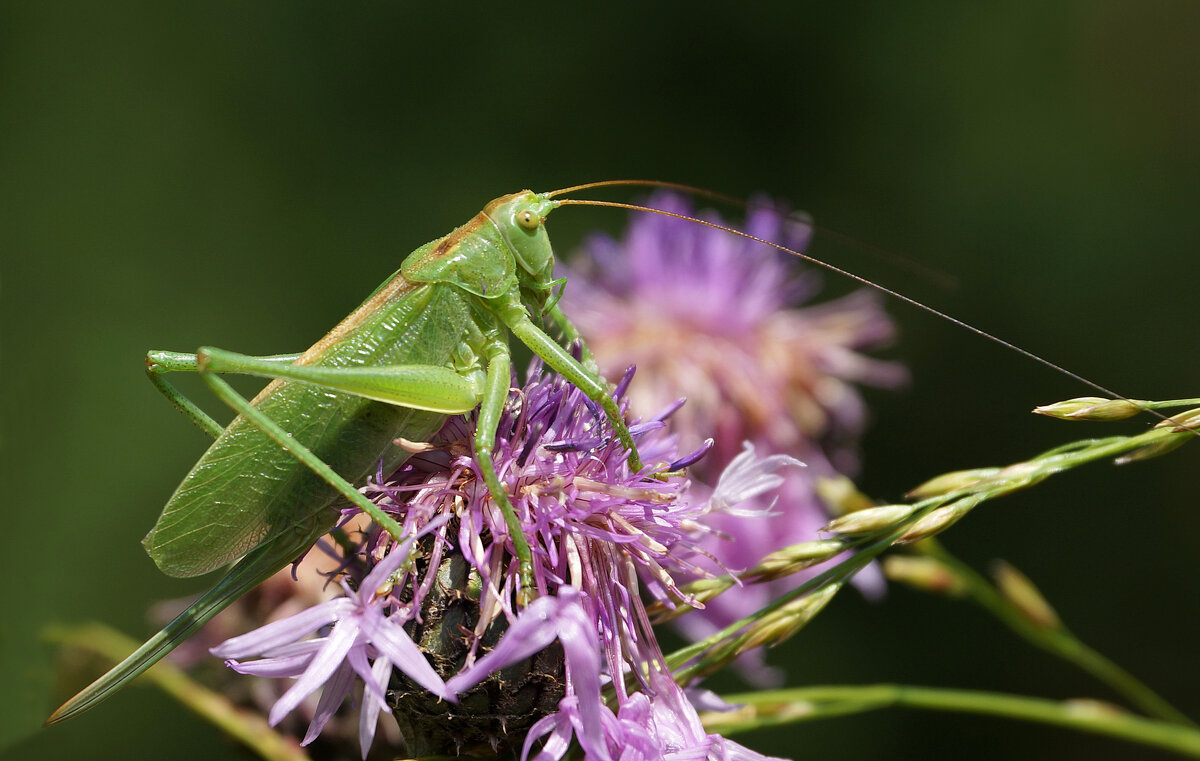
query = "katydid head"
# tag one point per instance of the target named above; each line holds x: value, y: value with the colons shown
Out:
x: 519, y: 218
x: 504, y: 244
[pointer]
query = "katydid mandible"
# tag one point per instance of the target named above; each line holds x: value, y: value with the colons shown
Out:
x: 430, y: 342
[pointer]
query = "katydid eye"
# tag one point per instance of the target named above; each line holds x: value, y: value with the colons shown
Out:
x: 528, y: 220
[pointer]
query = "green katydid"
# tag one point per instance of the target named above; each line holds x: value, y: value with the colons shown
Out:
x: 431, y: 341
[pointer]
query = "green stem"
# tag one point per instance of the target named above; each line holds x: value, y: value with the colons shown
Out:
x: 244, y: 726
x: 777, y: 707
x: 1171, y: 403
x: 1059, y: 641
x: 711, y: 645
x: 700, y: 658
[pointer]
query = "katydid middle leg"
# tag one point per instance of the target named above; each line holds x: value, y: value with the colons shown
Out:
x: 491, y: 407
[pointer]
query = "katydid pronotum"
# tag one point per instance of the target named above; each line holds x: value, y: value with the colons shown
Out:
x: 430, y: 342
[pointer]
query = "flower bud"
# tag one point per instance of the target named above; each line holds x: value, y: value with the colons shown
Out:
x: 781, y: 624
x: 939, y: 519
x: 1020, y: 591
x: 1184, y: 421
x: 1091, y: 408
x: 1151, y: 451
x: 925, y: 573
x: 870, y: 520
x: 1022, y: 475
x: 795, y: 558
x: 841, y: 496
x: 695, y: 596
x: 953, y: 481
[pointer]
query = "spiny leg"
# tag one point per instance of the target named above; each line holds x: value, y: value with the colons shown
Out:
x: 571, y: 336
x: 302, y: 453
x: 160, y: 362
x: 259, y: 564
x: 518, y: 321
x: 434, y: 388
x: 491, y: 407
x: 412, y: 385
x: 262, y: 561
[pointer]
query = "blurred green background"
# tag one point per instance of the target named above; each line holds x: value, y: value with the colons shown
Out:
x: 242, y: 175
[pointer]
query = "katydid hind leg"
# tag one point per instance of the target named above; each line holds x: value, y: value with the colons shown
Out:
x: 261, y: 562
x: 256, y: 567
x: 424, y: 387
x: 159, y: 362
x: 494, y: 397
x: 285, y: 440
x: 264, y: 479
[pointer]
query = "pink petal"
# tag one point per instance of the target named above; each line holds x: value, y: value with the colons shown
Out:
x: 324, y: 663
x: 399, y: 648
x: 336, y: 690
x: 374, y: 703
x: 282, y: 632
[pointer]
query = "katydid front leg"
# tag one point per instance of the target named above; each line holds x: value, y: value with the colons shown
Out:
x: 517, y: 319
x: 572, y: 337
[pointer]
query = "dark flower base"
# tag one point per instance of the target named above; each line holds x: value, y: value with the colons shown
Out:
x: 492, y: 717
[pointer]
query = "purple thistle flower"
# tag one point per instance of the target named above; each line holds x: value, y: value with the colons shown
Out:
x: 598, y: 533
x: 707, y: 316
x: 658, y: 722
x: 361, y: 630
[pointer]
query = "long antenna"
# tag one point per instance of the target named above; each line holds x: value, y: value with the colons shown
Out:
x: 943, y: 280
x: 844, y: 273
x: 690, y: 189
